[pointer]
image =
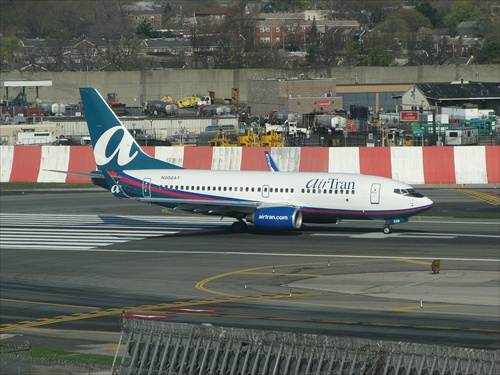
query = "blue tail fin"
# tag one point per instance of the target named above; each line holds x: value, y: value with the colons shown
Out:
x: 270, y: 162
x: 114, y: 147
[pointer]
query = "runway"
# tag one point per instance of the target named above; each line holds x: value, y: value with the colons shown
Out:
x: 72, y: 262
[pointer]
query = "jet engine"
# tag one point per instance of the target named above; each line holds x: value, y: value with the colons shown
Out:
x: 276, y: 217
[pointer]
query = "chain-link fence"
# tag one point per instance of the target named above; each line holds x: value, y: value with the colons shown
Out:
x: 155, y: 347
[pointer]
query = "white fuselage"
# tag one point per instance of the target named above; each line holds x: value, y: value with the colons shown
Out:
x: 320, y: 196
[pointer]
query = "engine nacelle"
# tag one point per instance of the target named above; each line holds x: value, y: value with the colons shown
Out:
x: 276, y: 217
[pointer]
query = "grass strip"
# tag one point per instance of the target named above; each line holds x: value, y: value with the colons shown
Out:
x: 73, y: 357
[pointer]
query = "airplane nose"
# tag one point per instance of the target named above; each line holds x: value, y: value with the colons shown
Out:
x: 427, y: 204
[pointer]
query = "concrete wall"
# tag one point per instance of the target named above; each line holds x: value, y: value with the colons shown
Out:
x: 413, y: 165
x: 135, y: 87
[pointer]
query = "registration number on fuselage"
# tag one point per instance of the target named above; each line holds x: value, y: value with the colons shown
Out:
x: 170, y: 178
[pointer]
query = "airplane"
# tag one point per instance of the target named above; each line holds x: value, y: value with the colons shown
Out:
x: 273, y: 199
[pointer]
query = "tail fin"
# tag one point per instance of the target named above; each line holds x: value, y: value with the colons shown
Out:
x: 114, y: 147
x: 271, y: 165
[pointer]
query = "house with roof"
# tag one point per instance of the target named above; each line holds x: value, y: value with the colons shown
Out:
x: 280, y: 30
x: 151, y: 16
x: 427, y: 96
x: 57, y: 54
x: 212, y: 15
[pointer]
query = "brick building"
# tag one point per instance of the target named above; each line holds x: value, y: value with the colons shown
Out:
x: 302, y: 95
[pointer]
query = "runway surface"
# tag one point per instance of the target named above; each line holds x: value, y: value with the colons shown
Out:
x: 73, y: 261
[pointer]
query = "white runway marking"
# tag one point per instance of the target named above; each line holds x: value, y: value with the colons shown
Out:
x: 85, y: 232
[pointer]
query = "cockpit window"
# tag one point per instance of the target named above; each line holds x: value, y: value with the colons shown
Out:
x: 414, y: 193
x: 408, y: 192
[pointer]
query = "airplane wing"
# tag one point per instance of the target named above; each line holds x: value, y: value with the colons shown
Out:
x: 210, y: 206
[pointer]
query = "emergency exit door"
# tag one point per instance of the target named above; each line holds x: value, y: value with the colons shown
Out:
x: 375, y: 194
x: 146, y: 187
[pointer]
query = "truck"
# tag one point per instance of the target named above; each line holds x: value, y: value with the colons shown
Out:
x: 116, y: 106
x: 330, y: 123
x: 461, y: 136
x: 188, y: 101
x: 28, y: 137
x: 53, y: 109
x: 205, y: 100
x: 159, y: 107
x: 213, y: 110
x: 287, y: 123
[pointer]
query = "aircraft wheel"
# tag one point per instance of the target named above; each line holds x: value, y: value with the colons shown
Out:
x: 239, y: 227
x: 387, y: 229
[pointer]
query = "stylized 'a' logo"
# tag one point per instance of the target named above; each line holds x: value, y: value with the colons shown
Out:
x: 115, y: 189
x: 123, y: 148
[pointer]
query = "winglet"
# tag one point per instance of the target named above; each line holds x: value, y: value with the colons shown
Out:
x: 270, y: 162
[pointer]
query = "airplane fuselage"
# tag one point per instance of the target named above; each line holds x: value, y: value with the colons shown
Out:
x: 321, y: 197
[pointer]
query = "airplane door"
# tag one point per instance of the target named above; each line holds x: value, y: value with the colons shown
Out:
x: 265, y: 191
x: 146, y: 187
x: 375, y: 194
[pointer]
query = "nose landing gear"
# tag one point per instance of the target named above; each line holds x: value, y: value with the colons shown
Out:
x: 387, y: 229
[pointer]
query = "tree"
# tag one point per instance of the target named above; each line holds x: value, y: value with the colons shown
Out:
x: 8, y: 47
x: 284, y: 5
x: 401, y: 23
x: 123, y: 54
x: 380, y: 56
x: 313, y: 39
x: 332, y: 48
x: 145, y: 30
x: 461, y: 11
x: 428, y: 11
x: 489, y: 53
x: 355, y: 55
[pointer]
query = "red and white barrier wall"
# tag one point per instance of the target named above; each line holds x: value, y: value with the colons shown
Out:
x: 413, y: 165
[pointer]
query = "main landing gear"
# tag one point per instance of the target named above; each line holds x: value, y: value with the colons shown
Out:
x: 239, y: 227
x: 387, y: 229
